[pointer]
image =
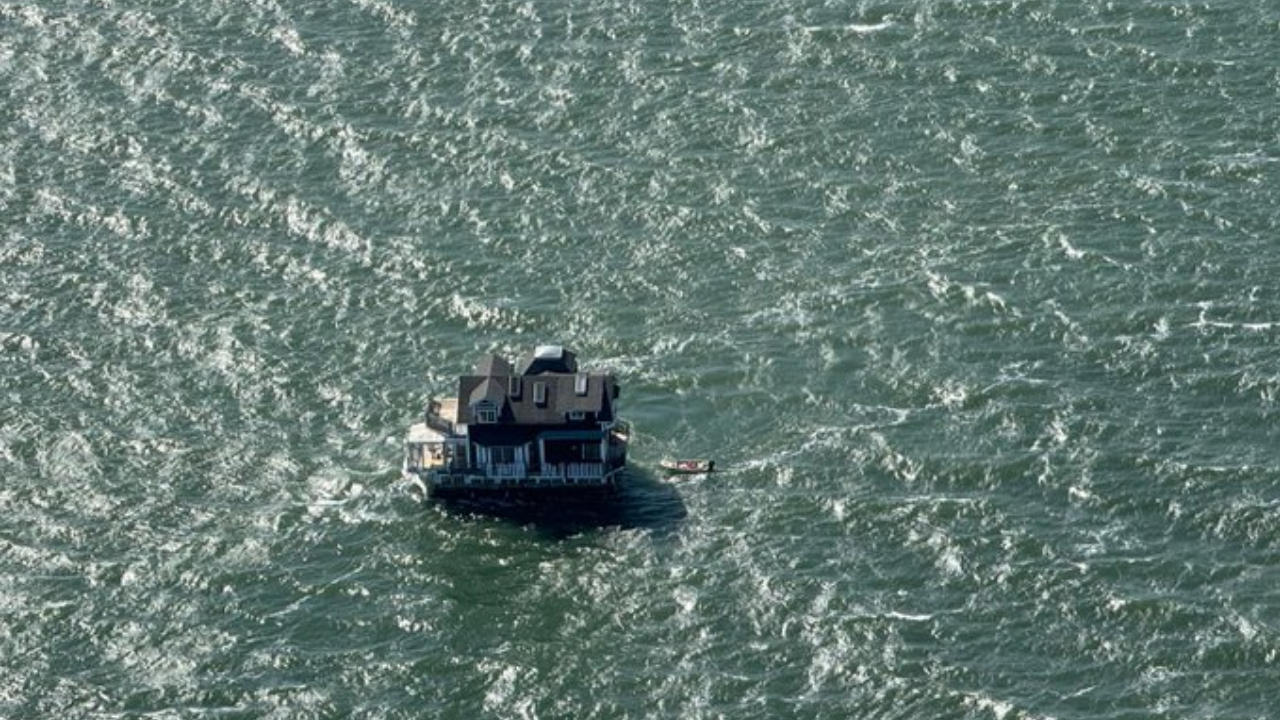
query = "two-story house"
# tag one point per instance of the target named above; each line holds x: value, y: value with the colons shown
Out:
x: 542, y: 424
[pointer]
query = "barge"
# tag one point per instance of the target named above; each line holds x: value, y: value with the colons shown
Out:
x: 541, y: 426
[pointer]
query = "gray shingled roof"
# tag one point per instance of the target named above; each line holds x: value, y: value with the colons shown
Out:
x: 493, y: 366
x: 561, y: 398
x: 489, y: 388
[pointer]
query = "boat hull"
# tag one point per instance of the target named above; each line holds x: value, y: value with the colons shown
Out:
x: 688, y: 467
x: 524, y: 494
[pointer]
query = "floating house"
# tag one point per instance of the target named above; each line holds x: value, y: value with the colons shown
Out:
x: 540, y: 425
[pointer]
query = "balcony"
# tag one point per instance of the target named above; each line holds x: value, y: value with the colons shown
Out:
x: 442, y: 416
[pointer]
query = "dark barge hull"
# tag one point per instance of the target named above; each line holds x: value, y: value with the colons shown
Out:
x: 524, y: 493
x: 523, y: 490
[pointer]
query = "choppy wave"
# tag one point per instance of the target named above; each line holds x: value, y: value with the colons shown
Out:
x: 970, y: 300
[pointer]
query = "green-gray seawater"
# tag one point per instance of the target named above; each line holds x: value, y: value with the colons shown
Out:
x: 973, y: 301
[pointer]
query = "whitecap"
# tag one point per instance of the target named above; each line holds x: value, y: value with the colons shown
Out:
x: 867, y: 29
x: 290, y: 39
x: 909, y: 617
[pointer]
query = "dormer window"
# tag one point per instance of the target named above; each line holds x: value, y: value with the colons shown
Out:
x: 486, y: 414
x: 580, y: 384
x: 577, y: 415
x: 540, y: 394
x: 513, y: 387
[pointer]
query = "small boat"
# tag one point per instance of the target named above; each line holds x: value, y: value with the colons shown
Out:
x: 688, y: 467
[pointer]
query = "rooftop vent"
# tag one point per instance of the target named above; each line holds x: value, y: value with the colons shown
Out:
x: 548, y: 352
x: 549, y: 359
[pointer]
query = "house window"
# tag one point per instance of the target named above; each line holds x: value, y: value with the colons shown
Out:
x: 513, y: 387
x: 540, y: 394
x: 577, y: 415
x: 486, y: 414
x: 591, y: 452
x: 580, y: 384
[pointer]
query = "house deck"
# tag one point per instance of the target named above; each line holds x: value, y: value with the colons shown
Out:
x: 541, y: 425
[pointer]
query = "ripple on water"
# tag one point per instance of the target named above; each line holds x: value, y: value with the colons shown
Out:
x: 969, y: 302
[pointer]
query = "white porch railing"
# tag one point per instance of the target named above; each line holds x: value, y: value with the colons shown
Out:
x: 514, y: 475
x: 584, y: 470
x: 506, y: 470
